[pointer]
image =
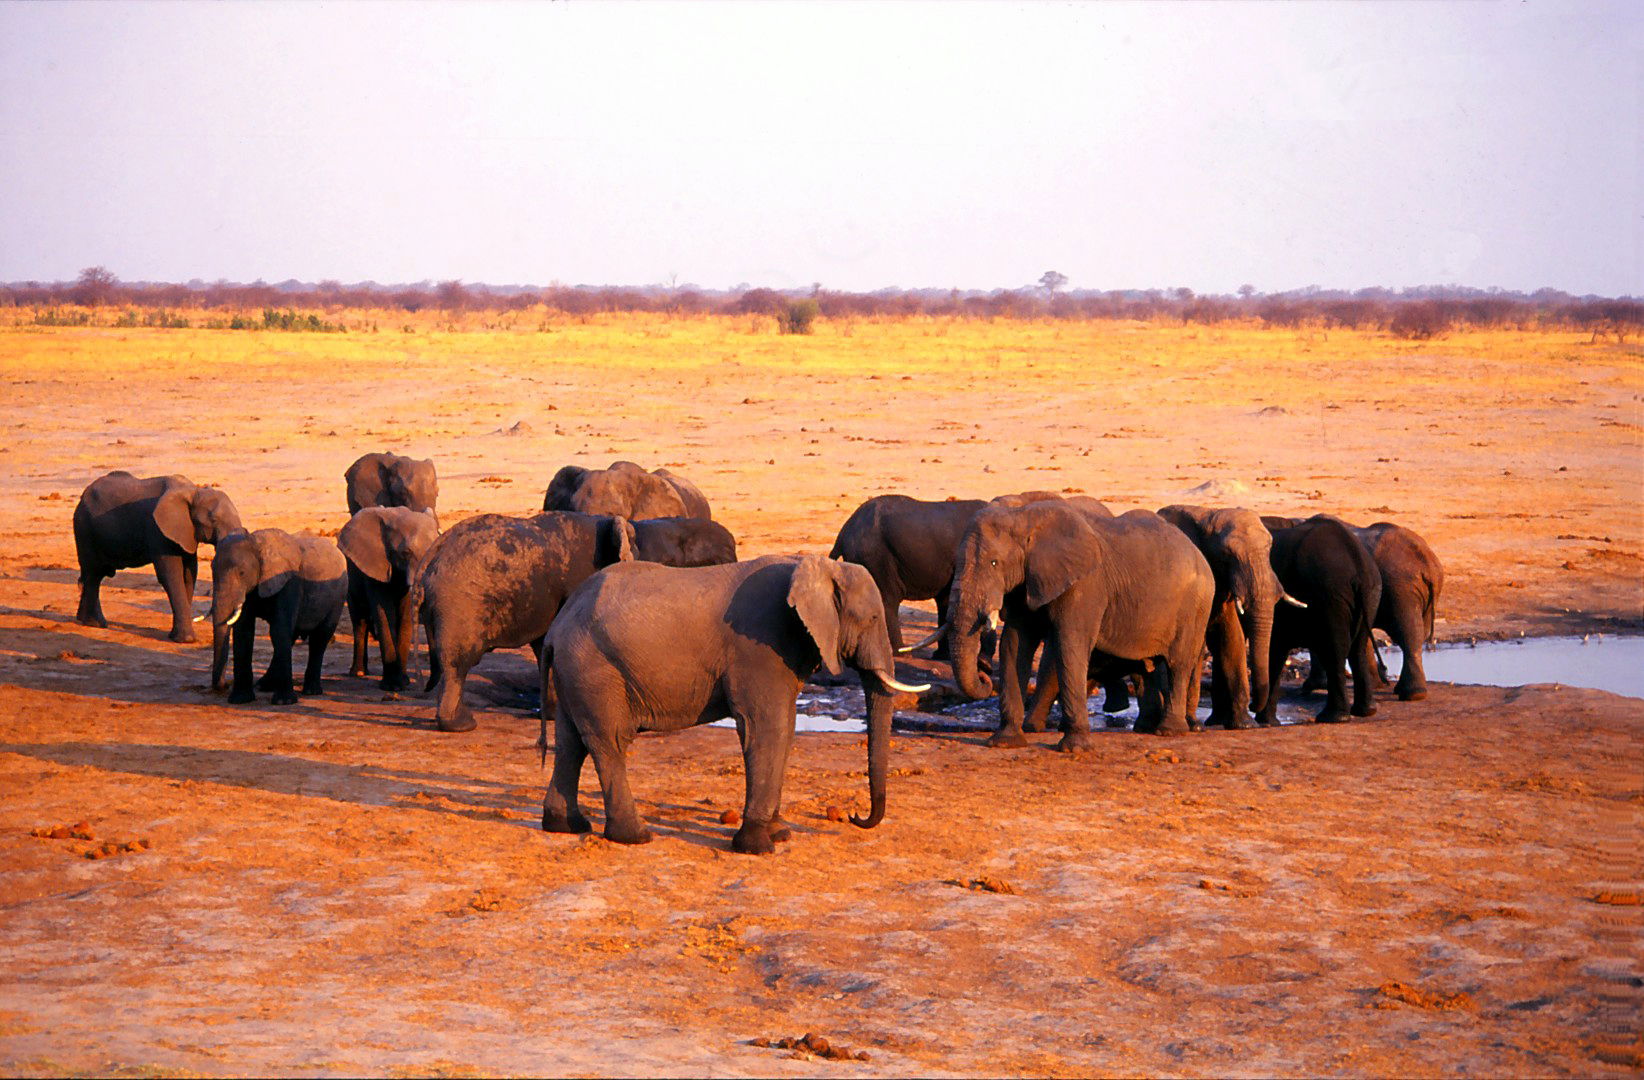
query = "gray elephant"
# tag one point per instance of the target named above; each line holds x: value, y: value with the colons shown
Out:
x: 383, y: 545
x: 123, y: 521
x: 683, y: 541
x: 391, y: 480
x: 1322, y: 563
x: 625, y: 490
x: 297, y: 585
x: 642, y: 647
x: 1239, y: 549
x: 497, y: 582
x: 1411, y: 580
x: 1130, y: 588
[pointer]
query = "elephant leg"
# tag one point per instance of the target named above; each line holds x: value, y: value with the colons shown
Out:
x: 191, y: 574
x: 1150, y: 705
x: 1012, y: 646
x: 1222, y: 659
x: 436, y: 669
x: 1364, y: 679
x: 172, y: 574
x: 90, y: 612
x: 452, y: 714
x: 358, y: 620
x: 318, y: 641
x: 282, y: 633
x: 623, y: 824
x: 393, y: 661
x: 766, y: 743
x: 1317, y: 679
x: 560, y: 812
x: 941, y: 650
x: 1046, y: 688
x: 405, y: 628
x: 1177, y: 680
x: 1072, y: 669
x: 1329, y: 651
x: 1115, y: 693
x: 1410, y: 636
x: 245, y: 636
x: 893, y: 617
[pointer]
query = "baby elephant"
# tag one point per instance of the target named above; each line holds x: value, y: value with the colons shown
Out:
x: 642, y: 647
x: 296, y: 584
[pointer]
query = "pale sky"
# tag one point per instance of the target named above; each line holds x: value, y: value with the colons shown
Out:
x: 974, y: 145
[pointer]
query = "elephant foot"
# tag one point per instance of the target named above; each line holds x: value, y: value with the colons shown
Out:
x: 1267, y: 720
x: 1368, y: 709
x: 1113, y: 723
x: 1241, y: 722
x: 779, y: 831
x: 573, y: 821
x: 753, y: 838
x: 633, y: 832
x: 241, y: 696
x: 1074, y: 743
x: 1112, y: 703
x: 313, y: 690
x: 1418, y: 694
x: 464, y: 721
x: 394, y: 685
x: 1196, y: 724
x: 181, y: 637
x: 266, y: 682
x: 284, y: 697
x: 1007, y: 739
x: 359, y: 671
x: 1032, y: 725
x: 1170, y: 730
x: 1331, y: 716
x: 92, y: 620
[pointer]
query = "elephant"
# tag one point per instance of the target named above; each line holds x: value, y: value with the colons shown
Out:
x: 1239, y: 549
x: 123, y: 521
x: 383, y: 545
x: 1129, y: 588
x: 1323, y: 564
x: 1411, y: 579
x: 683, y: 541
x: 296, y: 584
x: 391, y: 480
x: 625, y: 490
x: 643, y: 647
x: 497, y: 582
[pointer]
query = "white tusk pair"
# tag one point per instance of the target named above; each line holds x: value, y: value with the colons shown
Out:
x: 1292, y: 601
x: 918, y: 688
x: 234, y: 618
x: 936, y: 635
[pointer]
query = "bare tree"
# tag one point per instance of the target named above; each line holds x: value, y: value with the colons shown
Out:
x: 1051, y: 280
x: 94, y: 286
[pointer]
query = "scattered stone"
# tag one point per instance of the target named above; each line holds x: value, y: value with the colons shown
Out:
x: 730, y: 817
x: 811, y: 1045
x: 985, y: 884
x: 1620, y: 899
x: 80, y: 830
x: 834, y: 812
x: 1394, y: 994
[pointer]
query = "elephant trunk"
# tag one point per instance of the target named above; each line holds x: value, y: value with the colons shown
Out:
x: 219, y: 652
x: 227, y: 608
x: 879, y: 736
x: 965, y: 652
x: 1260, y: 637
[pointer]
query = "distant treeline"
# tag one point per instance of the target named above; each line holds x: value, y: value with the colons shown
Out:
x: 1413, y: 312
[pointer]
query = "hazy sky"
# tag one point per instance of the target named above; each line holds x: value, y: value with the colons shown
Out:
x: 952, y: 144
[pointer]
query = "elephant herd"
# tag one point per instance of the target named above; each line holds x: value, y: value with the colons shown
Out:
x: 642, y: 619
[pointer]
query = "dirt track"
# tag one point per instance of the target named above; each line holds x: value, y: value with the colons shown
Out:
x: 1450, y: 888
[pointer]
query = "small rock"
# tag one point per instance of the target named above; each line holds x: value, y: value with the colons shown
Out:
x: 730, y: 817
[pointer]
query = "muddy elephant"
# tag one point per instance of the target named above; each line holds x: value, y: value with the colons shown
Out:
x: 625, y: 490
x: 1239, y: 549
x: 1131, y: 588
x: 383, y: 544
x: 1411, y: 580
x: 295, y: 584
x: 642, y: 647
x: 123, y: 521
x: 391, y: 480
x: 1322, y: 563
x: 497, y: 582
x: 682, y: 541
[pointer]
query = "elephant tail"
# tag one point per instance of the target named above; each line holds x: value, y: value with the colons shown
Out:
x: 545, y: 668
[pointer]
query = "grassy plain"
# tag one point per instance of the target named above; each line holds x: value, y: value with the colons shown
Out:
x: 331, y: 889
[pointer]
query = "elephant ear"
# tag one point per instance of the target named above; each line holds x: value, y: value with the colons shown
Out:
x: 281, y: 559
x: 173, y: 513
x: 690, y: 496
x: 562, y: 487
x: 364, y: 540
x: 814, y: 594
x: 1062, y: 549
x: 619, y: 543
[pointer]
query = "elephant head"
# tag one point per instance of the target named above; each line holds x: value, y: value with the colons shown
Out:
x: 1239, y: 549
x: 392, y: 480
x: 624, y: 490
x: 264, y: 561
x: 1041, y: 548
x: 382, y: 541
x: 840, y: 607
x: 189, y: 516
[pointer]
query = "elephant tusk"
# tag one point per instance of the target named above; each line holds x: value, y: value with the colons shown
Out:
x: 234, y: 618
x: 199, y: 618
x: 1292, y: 601
x: 1238, y: 605
x: 936, y: 635
x: 917, y: 688
x: 993, y: 621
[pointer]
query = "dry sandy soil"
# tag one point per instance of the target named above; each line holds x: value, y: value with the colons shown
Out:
x: 1450, y: 888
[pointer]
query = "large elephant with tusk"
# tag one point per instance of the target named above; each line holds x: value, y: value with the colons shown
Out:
x: 297, y: 585
x: 642, y: 647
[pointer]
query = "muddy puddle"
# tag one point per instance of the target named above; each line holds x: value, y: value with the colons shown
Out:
x: 1598, y: 662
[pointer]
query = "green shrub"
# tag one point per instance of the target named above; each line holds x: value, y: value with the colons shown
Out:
x: 798, y: 316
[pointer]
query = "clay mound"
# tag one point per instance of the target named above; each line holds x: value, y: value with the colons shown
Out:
x: 520, y: 428
x: 1272, y: 410
x: 1217, y: 490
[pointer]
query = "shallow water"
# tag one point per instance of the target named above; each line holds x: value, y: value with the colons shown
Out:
x: 1600, y: 662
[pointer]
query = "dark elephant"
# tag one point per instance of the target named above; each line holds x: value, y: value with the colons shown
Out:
x: 683, y: 541
x: 642, y: 647
x: 391, y: 480
x: 383, y: 545
x: 1411, y: 580
x: 1324, y: 565
x: 1130, y: 588
x: 625, y: 490
x: 497, y: 582
x: 297, y: 585
x: 1239, y: 549
x: 123, y: 521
